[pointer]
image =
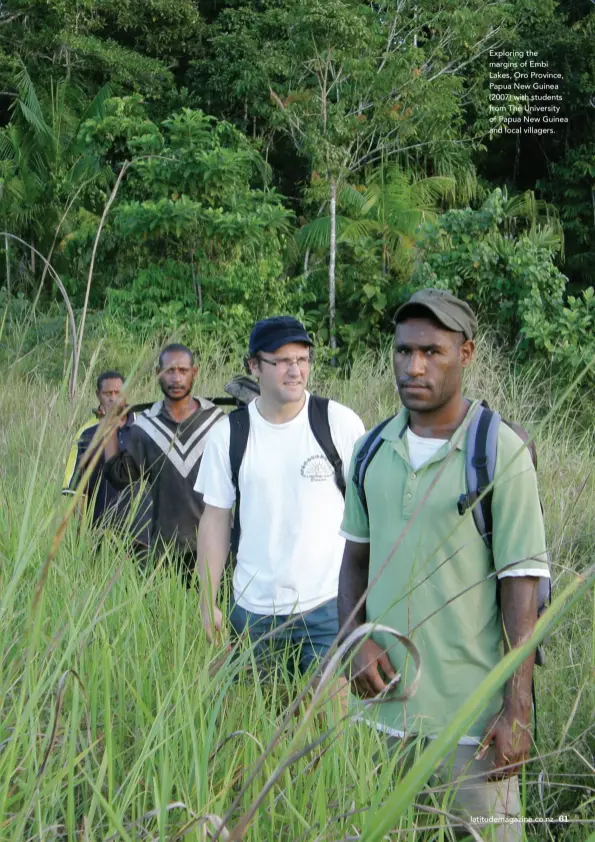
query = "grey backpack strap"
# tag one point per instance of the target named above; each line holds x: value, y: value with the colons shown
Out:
x: 368, y: 449
x: 480, y: 469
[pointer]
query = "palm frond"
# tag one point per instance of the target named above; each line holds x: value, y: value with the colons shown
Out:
x: 7, y: 151
x: 84, y: 168
x: 351, y: 199
x: 357, y: 230
x: 96, y: 108
x: 12, y: 194
x: 527, y: 206
x: 427, y: 192
x: 317, y: 234
x: 546, y: 236
x: 29, y: 104
x: 402, y: 255
x: 393, y: 192
x: 40, y: 128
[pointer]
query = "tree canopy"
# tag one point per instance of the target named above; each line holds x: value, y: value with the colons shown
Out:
x: 307, y: 155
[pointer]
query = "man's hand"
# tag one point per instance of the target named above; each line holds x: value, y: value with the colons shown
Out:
x: 510, y: 730
x: 213, y: 629
x: 512, y: 744
x: 368, y: 661
x: 118, y: 410
x: 212, y: 550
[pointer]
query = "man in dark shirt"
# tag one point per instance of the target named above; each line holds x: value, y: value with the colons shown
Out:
x: 110, y: 504
x: 166, y: 446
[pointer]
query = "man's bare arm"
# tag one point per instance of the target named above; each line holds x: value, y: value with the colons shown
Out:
x: 518, y: 600
x: 353, y: 581
x: 112, y: 445
x: 369, y: 658
x: 510, y: 729
x: 213, y: 548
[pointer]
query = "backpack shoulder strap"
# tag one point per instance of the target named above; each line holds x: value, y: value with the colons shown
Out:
x: 321, y: 428
x: 480, y: 468
x: 239, y: 430
x: 368, y: 449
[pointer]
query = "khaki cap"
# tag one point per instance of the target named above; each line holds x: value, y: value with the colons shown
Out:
x: 449, y: 310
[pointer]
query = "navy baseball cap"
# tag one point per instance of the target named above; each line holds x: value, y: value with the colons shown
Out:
x: 273, y: 333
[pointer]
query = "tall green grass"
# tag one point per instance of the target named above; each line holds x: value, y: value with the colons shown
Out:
x: 115, y: 724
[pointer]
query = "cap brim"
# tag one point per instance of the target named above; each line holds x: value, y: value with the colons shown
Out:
x: 443, y: 318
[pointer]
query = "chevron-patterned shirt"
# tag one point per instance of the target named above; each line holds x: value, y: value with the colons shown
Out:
x: 168, y: 455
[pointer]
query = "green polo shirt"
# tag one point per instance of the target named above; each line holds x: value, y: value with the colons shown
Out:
x: 436, y: 588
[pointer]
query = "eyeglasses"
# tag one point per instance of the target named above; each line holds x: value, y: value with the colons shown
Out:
x: 286, y: 362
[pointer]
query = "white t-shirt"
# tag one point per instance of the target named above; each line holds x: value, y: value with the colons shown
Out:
x: 421, y: 449
x: 290, y: 549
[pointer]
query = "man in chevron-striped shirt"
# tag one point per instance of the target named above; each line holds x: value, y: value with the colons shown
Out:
x: 166, y: 445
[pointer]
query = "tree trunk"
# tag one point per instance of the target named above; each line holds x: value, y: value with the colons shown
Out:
x: 307, y: 264
x: 517, y: 160
x: 331, y: 265
x: 65, y: 361
x: 81, y: 332
x: 196, y: 282
x: 7, y: 253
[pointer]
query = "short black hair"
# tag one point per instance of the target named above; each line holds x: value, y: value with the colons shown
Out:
x: 110, y: 374
x: 175, y: 347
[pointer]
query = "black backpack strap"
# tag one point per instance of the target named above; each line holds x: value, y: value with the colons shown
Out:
x: 321, y: 428
x: 368, y: 449
x: 239, y: 430
x: 483, y: 471
x: 225, y: 401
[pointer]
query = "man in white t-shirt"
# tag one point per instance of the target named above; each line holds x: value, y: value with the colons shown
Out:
x: 290, y: 504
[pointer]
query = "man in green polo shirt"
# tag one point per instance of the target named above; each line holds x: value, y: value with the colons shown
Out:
x: 440, y: 587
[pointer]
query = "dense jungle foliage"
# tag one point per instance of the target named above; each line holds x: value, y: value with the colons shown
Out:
x: 321, y: 157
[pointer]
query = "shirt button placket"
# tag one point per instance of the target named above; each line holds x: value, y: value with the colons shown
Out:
x: 409, y: 497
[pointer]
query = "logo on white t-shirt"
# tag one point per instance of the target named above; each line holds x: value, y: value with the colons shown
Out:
x: 317, y: 468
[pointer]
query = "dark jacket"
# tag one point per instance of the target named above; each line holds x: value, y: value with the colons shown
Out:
x: 111, y: 504
x: 167, y: 455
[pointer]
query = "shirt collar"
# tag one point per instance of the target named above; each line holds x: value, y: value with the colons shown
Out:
x: 396, y: 428
x: 130, y: 419
x: 159, y: 408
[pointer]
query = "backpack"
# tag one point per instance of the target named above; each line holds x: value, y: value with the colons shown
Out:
x: 239, y: 430
x: 481, y: 453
